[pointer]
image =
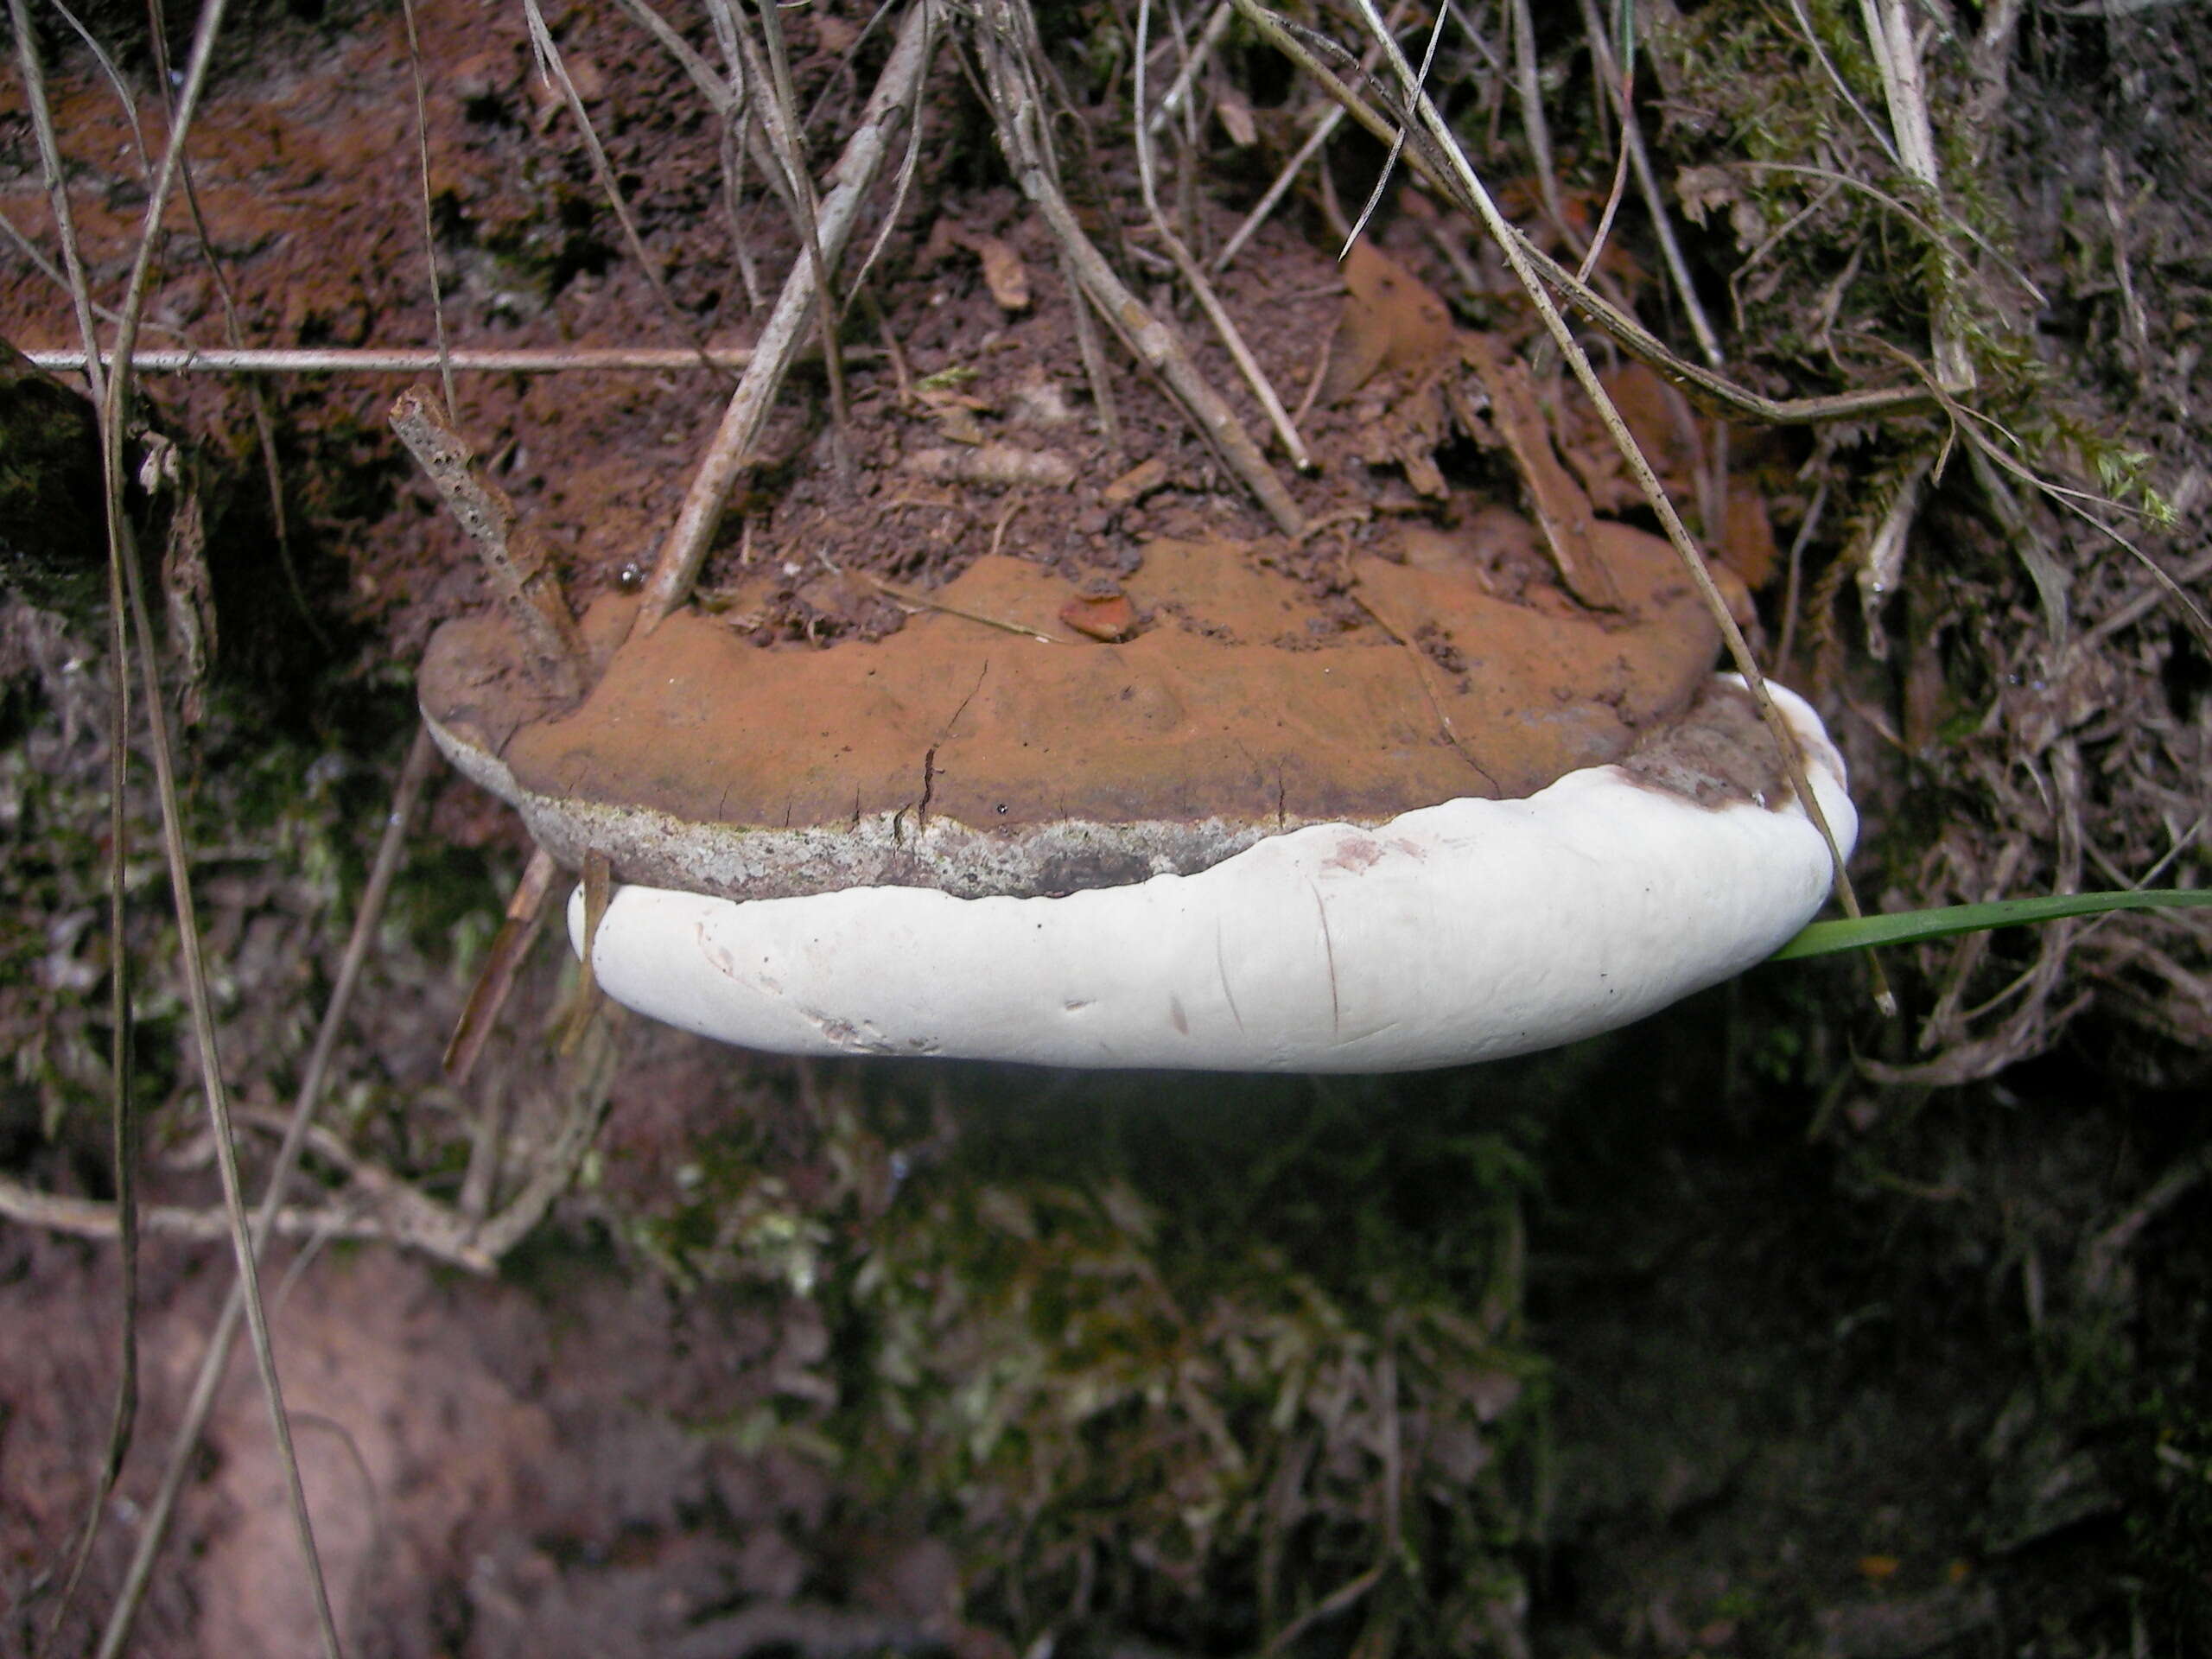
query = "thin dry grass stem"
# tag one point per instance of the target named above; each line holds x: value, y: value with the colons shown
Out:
x: 1194, y: 274
x: 123, y: 1120
x: 599, y: 888
x: 909, y: 167
x: 1893, y: 36
x: 123, y: 1416
x: 213, y: 359
x: 730, y: 453
x: 114, y: 76
x: 1603, y: 234
x: 37, y: 261
x: 1472, y: 193
x: 1093, y: 352
x: 913, y: 600
x: 1179, y: 90
x: 728, y: 97
x: 2199, y: 622
x: 217, y: 1092
x: 395, y: 1209
x: 1771, y: 244
x: 2130, y: 307
x: 518, y: 931
x: 1937, y: 235
x: 588, y: 1086
x: 780, y: 117
x: 75, y: 281
x: 721, y: 93
x: 1945, y: 1024
x: 264, y: 426
x: 112, y: 410
x: 1345, y: 1595
x: 515, y: 557
x: 1812, y: 38
x: 414, y: 777
x: 1618, y: 81
x: 370, y: 1220
x: 1971, y: 424
x: 554, y: 69
x: 1794, y: 579
x: 1007, y: 46
x: 2127, y: 615
x: 1389, y: 166
x: 417, y: 1224
x: 1331, y: 118
x: 2100, y: 1260
x: 298, y: 1131
x: 730, y: 150
x: 429, y: 222
x: 487, y: 1151
x: 902, y: 374
x: 2029, y: 1029
x: 1527, y: 87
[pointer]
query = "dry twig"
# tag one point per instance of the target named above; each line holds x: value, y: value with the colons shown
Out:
x: 515, y: 557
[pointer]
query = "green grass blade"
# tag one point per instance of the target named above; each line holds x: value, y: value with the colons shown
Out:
x: 1910, y: 927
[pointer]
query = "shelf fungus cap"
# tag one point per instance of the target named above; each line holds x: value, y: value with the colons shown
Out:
x: 1227, y: 840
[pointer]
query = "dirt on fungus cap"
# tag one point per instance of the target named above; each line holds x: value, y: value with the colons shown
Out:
x: 1494, y: 821
x: 964, y: 753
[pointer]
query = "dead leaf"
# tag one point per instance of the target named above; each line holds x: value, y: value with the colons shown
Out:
x: 1659, y: 420
x: 1747, y: 544
x: 1702, y: 189
x: 957, y: 423
x: 1561, y: 509
x: 1138, y: 482
x: 1406, y: 431
x: 955, y: 412
x: 1390, y: 321
x: 1004, y: 274
x: 1236, y: 112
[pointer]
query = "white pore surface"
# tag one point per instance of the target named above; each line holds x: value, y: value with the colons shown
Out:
x: 1458, y: 933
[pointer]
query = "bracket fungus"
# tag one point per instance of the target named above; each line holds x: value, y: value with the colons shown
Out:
x: 1462, y: 816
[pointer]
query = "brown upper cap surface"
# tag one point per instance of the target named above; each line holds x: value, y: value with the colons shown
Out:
x: 1238, y: 709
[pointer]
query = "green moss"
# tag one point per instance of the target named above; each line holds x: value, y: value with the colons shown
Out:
x: 1198, y: 1349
